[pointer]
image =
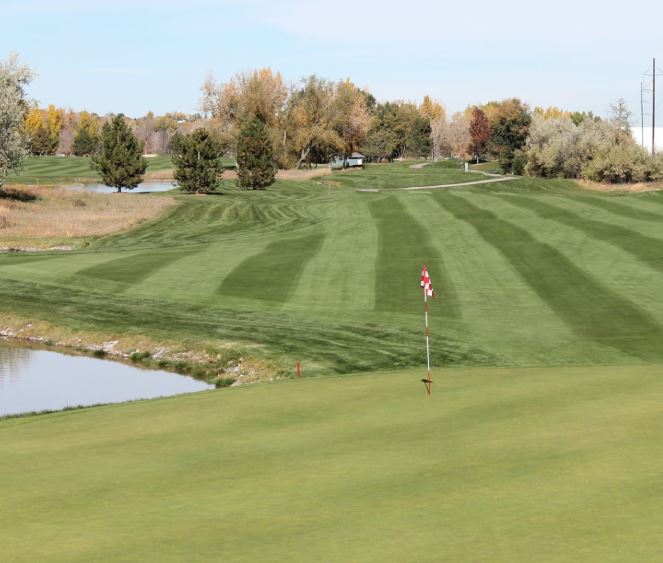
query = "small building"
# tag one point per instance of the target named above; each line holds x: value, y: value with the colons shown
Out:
x: 339, y: 161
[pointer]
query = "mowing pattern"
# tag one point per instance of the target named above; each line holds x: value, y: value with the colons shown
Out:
x: 527, y: 272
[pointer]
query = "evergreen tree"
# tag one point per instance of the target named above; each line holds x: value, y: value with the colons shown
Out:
x: 42, y: 142
x: 120, y: 159
x: 197, y: 159
x: 255, y: 156
x: 85, y: 143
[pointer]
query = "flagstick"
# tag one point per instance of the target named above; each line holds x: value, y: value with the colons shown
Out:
x: 429, y: 381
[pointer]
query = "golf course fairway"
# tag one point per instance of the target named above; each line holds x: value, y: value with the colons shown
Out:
x: 523, y: 464
x: 541, y: 440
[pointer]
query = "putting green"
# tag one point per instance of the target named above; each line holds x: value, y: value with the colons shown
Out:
x: 528, y: 464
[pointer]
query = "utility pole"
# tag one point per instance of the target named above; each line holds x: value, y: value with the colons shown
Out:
x: 653, y: 108
x: 642, y: 115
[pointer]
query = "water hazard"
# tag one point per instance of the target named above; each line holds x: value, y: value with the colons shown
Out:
x: 145, y: 187
x: 36, y: 380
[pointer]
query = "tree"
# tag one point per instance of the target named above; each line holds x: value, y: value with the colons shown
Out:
x: 197, y: 159
x: 310, y: 119
x: 14, y: 78
x: 120, y: 159
x: 509, y: 124
x: 42, y: 143
x: 621, y: 115
x: 54, y: 120
x: 256, y: 168
x: 435, y: 113
x: 479, y: 132
x: 86, y: 136
x: 350, y: 115
x: 84, y: 143
x: 259, y: 94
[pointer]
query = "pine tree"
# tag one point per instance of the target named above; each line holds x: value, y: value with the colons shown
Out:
x: 84, y: 143
x: 197, y: 159
x: 255, y: 156
x: 120, y: 159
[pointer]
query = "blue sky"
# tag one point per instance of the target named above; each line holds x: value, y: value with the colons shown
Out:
x: 132, y: 56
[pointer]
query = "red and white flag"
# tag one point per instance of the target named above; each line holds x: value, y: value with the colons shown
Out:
x: 426, y: 283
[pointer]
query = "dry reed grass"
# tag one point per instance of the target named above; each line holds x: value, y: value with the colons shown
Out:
x: 623, y: 188
x: 60, y: 216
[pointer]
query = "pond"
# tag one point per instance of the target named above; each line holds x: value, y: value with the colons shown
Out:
x: 35, y: 380
x: 145, y: 187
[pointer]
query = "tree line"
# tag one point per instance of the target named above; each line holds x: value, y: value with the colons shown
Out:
x: 265, y: 124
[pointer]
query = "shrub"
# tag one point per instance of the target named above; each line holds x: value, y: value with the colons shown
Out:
x: 140, y: 356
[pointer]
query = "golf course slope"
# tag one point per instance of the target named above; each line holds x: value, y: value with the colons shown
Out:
x: 526, y: 272
x: 498, y: 465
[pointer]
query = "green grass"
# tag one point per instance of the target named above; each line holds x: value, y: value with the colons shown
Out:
x: 54, y: 169
x: 498, y: 465
x: 401, y: 175
x: 528, y: 272
x: 491, y: 167
x: 552, y: 455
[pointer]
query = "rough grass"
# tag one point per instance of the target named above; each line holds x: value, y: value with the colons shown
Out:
x: 498, y: 465
x: 38, y: 217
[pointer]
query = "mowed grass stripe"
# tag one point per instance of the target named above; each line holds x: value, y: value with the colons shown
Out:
x: 273, y: 273
x: 340, y: 347
x: 136, y: 267
x: 646, y: 249
x: 339, y: 278
x: 620, y: 209
x: 590, y: 309
x: 403, y: 247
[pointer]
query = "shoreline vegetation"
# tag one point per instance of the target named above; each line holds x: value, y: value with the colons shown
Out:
x: 221, y: 364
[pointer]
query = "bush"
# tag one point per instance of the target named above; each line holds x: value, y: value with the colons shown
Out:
x: 224, y: 382
x: 140, y: 356
x: 621, y: 164
x: 600, y: 151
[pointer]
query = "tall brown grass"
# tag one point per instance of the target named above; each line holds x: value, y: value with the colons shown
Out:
x: 60, y: 216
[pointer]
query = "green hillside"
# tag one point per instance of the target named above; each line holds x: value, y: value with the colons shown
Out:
x: 528, y: 272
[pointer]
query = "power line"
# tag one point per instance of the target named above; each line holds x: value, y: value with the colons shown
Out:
x: 655, y: 71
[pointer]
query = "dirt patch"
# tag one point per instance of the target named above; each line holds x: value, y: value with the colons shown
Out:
x: 296, y: 175
x: 49, y: 217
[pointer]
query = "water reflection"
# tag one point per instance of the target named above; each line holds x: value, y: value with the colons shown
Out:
x: 34, y: 380
x: 145, y: 187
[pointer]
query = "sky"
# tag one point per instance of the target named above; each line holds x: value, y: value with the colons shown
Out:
x: 133, y: 56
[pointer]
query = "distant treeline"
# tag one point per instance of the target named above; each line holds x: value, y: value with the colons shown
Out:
x: 313, y: 120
